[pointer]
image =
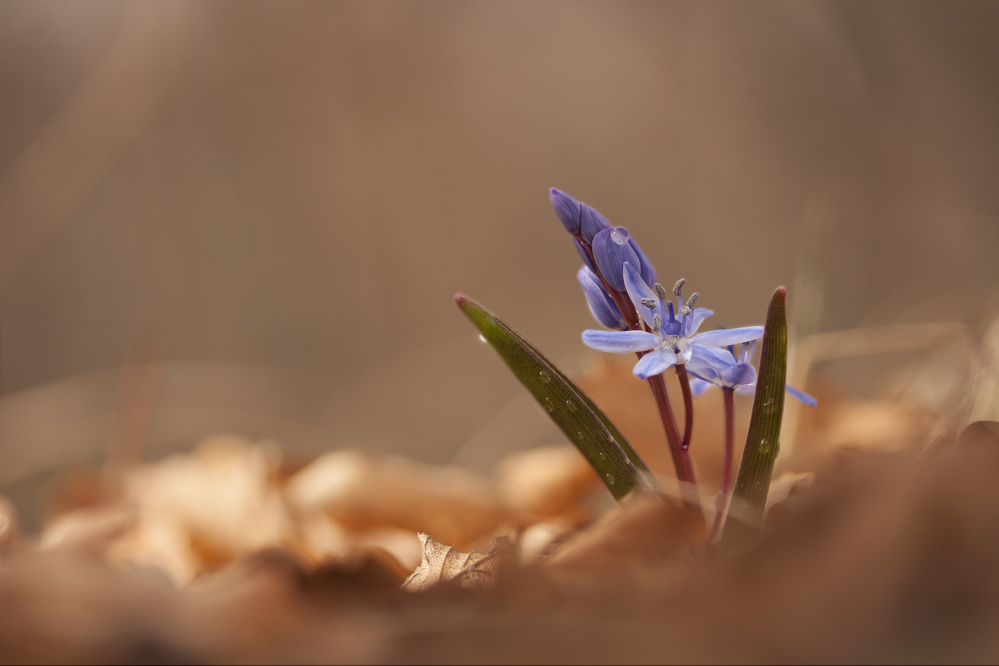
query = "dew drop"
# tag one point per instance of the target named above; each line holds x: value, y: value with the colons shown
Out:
x: 627, y: 460
x: 482, y: 339
x: 601, y: 454
x: 571, y: 406
x: 549, y: 407
x: 619, y: 235
x: 579, y: 434
x: 610, y: 479
x: 545, y: 377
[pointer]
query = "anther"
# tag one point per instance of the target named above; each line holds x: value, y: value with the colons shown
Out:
x: 693, y: 299
x: 657, y: 323
x: 649, y: 303
x: 684, y: 310
x: 679, y: 285
x: 660, y: 291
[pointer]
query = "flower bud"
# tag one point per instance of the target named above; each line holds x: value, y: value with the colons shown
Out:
x: 739, y: 374
x: 611, y: 250
x: 601, y: 305
x: 591, y: 222
x: 566, y: 208
x: 647, y: 270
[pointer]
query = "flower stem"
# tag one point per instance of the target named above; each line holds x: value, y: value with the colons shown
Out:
x: 678, y: 449
x: 681, y: 458
x: 688, y: 404
x: 729, y: 396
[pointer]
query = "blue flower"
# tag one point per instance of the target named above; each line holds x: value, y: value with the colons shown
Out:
x: 741, y: 376
x: 673, y: 339
x: 601, y: 304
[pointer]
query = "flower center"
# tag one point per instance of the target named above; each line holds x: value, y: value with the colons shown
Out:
x: 676, y: 348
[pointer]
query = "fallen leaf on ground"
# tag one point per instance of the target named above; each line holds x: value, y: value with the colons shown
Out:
x: 441, y: 563
x: 362, y: 491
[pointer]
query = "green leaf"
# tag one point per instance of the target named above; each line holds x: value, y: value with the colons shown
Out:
x: 749, y: 500
x: 603, y: 446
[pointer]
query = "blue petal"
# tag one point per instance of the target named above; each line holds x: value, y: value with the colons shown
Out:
x: 697, y: 317
x: 698, y: 386
x: 728, y: 336
x: 584, y: 255
x: 647, y: 270
x: 637, y: 290
x: 802, y: 397
x: 708, y: 360
x: 611, y: 250
x: 651, y: 364
x: 603, y: 308
x: 591, y: 222
x: 620, y: 341
x: 566, y: 208
x: 740, y: 374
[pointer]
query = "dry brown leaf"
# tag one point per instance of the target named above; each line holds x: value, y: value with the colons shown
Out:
x: 636, y: 536
x: 94, y: 528
x: 473, y: 571
x: 980, y: 433
x: 544, y: 481
x: 205, y: 508
x: 10, y: 533
x: 362, y: 491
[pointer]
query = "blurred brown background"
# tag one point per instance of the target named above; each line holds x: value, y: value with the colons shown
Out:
x: 279, y: 200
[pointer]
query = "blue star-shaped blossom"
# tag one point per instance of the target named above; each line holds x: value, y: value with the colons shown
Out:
x: 741, y: 376
x: 672, y: 340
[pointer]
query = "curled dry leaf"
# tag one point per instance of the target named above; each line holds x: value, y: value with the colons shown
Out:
x: 545, y: 481
x: 362, y: 491
x: 473, y: 571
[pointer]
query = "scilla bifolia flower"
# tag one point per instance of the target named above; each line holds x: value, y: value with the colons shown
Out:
x: 673, y: 339
x: 740, y: 375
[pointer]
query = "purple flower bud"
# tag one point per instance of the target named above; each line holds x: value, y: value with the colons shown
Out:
x: 647, y: 271
x: 611, y: 250
x: 601, y: 305
x: 591, y: 222
x: 584, y: 255
x: 740, y: 374
x: 567, y: 209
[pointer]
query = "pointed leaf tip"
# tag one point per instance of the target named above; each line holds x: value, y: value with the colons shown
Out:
x: 749, y: 498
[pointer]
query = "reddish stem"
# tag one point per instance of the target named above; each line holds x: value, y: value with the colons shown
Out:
x: 688, y: 404
x: 681, y: 459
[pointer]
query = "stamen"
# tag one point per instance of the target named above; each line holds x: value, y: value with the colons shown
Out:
x: 657, y: 323
x: 684, y: 310
x: 649, y: 303
x: 679, y: 285
x: 693, y: 300
x: 660, y: 291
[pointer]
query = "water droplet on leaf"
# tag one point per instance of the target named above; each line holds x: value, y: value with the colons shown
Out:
x: 610, y: 479
x: 549, y: 407
x: 571, y: 406
x: 545, y: 377
x: 482, y: 339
